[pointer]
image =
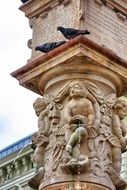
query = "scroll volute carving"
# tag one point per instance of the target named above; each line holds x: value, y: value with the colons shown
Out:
x: 79, y: 131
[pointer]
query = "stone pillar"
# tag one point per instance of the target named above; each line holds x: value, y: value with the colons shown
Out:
x: 80, y: 136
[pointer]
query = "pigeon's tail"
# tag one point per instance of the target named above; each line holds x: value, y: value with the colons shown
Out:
x: 60, y: 43
x: 37, y: 48
x: 84, y: 32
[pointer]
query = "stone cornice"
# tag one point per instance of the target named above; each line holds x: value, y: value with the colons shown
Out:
x: 79, y: 40
x: 33, y: 8
x: 29, y: 75
x: 117, y: 5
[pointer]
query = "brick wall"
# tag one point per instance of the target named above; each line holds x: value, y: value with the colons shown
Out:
x: 45, y: 29
x: 107, y: 29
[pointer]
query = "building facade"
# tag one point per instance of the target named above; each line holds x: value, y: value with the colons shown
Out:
x: 16, y: 165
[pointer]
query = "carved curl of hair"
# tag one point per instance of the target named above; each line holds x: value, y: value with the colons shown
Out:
x: 41, y: 102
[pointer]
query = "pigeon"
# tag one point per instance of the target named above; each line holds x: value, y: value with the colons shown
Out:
x: 45, y: 48
x: 24, y: 1
x: 70, y: 33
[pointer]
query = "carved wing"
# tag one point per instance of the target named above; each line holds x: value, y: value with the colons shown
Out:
x: 92, y: 132
x: 113, y: 140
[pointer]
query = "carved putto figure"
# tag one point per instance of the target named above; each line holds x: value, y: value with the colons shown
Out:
x: 80, y: 116
x: 40, y: 139
x: 113, y: 131
x: 46, y: 109
x: 120, y: 130
x: 43, y: 129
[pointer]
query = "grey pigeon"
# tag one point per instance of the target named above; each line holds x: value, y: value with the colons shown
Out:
x: 71, y: 33
x: 24, y: 1
x: 45, y: 48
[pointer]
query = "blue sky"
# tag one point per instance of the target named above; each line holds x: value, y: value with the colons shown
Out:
x: 17, y: 117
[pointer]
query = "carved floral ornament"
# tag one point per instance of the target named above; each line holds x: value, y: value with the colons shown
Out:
x: 79, y: 131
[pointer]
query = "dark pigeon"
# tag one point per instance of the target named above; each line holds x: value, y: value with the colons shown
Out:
x: 24, y: 1
x: 45, y: 48
x: 71, y: 33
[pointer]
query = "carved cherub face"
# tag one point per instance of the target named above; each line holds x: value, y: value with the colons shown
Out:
x: 122, y: 112
x: 120, y: 108
x: 40, y: 105
x: 77, y: 91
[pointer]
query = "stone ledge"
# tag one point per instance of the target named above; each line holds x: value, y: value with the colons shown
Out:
x: 117, y: 5
x: 79, y: 50
x: 33, y: 8
x: 31, y: 64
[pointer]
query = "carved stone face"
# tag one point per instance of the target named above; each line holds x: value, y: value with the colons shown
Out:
x: 77, y: 91
x: 39, y: 105
x: 122, y: 112
x: 120, y: 108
